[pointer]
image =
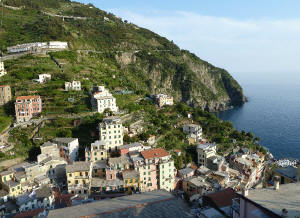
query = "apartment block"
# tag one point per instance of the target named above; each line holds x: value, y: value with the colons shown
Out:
x: 26, y: 107
x: 111, y: 131
x: 73, y: 86
x: 205, y: 151
x: 5, y: 94
x: 102, y: 99
x: 96, y: 152
x: 165, y: 170
x: 78, y: 177
x: 68, y: 147
x: 193, y: 131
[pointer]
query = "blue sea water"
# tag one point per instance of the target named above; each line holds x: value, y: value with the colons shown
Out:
x: 272, y: 113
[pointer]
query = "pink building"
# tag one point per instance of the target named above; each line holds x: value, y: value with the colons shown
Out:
x: 111, y: 174
x: 26, y: 107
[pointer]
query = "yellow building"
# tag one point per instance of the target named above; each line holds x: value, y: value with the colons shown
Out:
x: 96, y: 152
x: 131, y: 180
x: 78, y: 177
x: 6, y: 176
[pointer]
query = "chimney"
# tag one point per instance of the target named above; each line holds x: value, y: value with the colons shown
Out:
x: 284, y: 213
x: 276, y: 182
x: 245, y: 192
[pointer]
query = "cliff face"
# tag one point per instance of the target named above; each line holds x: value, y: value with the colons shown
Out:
x: 146, y: 61
x: 187, y: 78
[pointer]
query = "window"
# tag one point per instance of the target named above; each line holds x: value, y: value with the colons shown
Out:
x: 70, y: 174
x: 148, y: 173
x: 144, y: 173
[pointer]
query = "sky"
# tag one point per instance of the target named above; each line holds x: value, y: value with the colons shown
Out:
x: 259, y: 38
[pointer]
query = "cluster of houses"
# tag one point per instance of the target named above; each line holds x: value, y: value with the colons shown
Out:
x: 109, y: 167
x: 37, y: 46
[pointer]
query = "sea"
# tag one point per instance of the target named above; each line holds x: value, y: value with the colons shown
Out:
x: 271, y: 113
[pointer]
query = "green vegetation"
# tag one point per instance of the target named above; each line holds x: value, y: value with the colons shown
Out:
x: 130, y: 58
x: 120, y: 56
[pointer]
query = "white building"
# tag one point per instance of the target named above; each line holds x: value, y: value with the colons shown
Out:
x: 205, y: 151
x: 102, y: 99
x: 37, y: 46
x: 70, y: 145
x: 43, y: 78
x: 2, y: 69
x: 57, y: 45
x: 74, y: 85
x: 111, y: 131
x: 193, y: 131
x: 162, y: 100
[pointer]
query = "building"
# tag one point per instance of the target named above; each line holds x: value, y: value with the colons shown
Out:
x: 102, y: 99
x: 164, y: 165
x: 37, y: 46
x: 68, y: 147
x: 96, y: 152
x: 5, y: 94
x: 43, y: 78
x: 186, y: 172
x: 111, y: 131
x: 2, y: 69
x: 119, y: 163
x: 196, y: 185
x: 151, y: 204
x: 277, y: 201
x: 57, y: 45
x: 218, y: 204
x: 193, y: 131
x: 73, y: 86
x: 289, y: 174
x: 131, y: 180
x: 78, y: 177
x: 205, y: 151
x: 136, y: 146
x: 162, y: 100
x: 26, y: 107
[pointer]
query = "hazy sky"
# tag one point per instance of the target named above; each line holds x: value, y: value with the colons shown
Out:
x: 259, y: 36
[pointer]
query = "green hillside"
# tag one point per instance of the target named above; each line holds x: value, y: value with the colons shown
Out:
x: 127, y: 57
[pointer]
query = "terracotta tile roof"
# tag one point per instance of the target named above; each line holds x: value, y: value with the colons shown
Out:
x: 157, y: 152
x: 30, y: 213
x: 26, y: 97
x: 2, y: 86
x: 222, y: 198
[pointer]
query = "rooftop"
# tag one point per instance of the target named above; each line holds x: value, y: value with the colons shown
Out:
x: 123, y: 159
x: 186, y: 171
x: 287, y: 197
x: 222, y: 198
x: 206, y: 146
x: 129, y: 174
x: 152, y: 153
x: 48, y: 144
x: 78, y: 166
x: 151, y: 204
x: 132, y: 145
x: 5, y: 173
x: 65, y: 140
x: 43, y: 192
x: 290, y: 172
x: 97, y: 182
x: 27, y: 97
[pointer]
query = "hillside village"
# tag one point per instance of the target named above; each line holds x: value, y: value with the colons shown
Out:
x: 110, y: 167
x: 81, y: 147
